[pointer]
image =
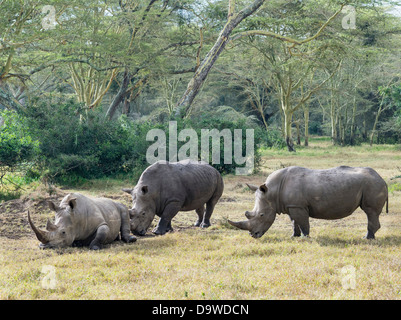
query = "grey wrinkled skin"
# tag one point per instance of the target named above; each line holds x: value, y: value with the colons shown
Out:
x: 84, y: 221
x: 322, y: 194
x: 165, y: 188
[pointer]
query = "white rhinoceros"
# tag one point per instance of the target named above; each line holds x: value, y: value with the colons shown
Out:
x: 165, y: 188
x: 322, y: 194
x: 87, y: 221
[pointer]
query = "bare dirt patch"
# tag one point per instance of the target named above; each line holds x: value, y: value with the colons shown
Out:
x: 13, y: 214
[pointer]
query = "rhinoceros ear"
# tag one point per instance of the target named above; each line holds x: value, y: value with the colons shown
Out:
x: 144, y: 189
x: 52, y: 205
x: 72, y: 203
x: 263, y: 188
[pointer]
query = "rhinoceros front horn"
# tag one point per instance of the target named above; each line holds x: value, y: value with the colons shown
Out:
x: 41, y: 235
x: 243, y: 225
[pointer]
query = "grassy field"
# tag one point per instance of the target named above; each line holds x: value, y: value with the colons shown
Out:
x: 220, y: 262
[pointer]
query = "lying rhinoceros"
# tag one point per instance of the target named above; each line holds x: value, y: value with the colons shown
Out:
x: 165, y: 188
x: 86, y: 221
x: 323, y: 194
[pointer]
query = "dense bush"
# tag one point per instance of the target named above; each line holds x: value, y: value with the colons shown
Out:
x: 224, y: 166
x: 73, y: 146
x: 69, y: 144
x: 16, y: 145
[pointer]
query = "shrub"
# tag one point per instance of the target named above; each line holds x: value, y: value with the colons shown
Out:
x: 73, y: 147
x: 75, y: 144
x: 17, y: 152
x: 16, y: 144
x: 206, y: 122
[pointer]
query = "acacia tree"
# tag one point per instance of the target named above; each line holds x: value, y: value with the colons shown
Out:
x: 92, y: 47
x: 23, y: 29
x: 224, y: 37
x: 292, y: 67
x: 352, y: 102
x: 195, y: 84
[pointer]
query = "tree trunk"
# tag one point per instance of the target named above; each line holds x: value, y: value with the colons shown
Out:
x: 287, y: 131
x: 352, y: 133
x: 372, y: 134
x: 333, y: 120
x: 298, y: 133
x: 306, y: 120
x: 379, y: 111
x: 264, y: 120
x: 127, y: 106
x: 365, y: 128
x: 201, y: 73
x: 119, y: 96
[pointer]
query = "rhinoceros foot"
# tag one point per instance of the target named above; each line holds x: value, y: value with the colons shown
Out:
x: 163, y: 227
x: 158, y: 231
x: 205, y: 224
x: 130, y: 239
x: 369, y: 236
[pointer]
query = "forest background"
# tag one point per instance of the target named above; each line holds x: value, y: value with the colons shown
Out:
x: 83, y: 82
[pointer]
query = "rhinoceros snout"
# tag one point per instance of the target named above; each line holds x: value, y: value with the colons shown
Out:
x: 45, y: 246
x: 256, y: 234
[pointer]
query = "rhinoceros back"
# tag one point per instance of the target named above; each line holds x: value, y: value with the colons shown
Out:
x: 332, y: 193
x: 192, y: 182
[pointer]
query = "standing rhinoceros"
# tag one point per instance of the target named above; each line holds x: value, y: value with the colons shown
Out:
x: 165, y: 188
x: 323, y: 194
x: 88, y: 221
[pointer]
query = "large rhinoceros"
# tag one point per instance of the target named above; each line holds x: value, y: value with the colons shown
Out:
x: 165, y: 188
x: 323, y: 194
x: 85, y: 221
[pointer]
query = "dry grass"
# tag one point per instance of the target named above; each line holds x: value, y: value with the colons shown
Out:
x: 222, y: 262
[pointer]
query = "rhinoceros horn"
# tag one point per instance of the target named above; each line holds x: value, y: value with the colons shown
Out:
x: 41, y: 235
x: 244, y: 225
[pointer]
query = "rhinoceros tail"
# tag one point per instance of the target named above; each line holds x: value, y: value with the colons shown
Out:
x: 387, y: 205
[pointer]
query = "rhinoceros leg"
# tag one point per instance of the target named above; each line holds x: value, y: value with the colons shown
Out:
x: 373, y: 222
x: 208, y: 213
x: 168, y: 214
x: 296, y: 228
x: 300, y: 216
x: 101, y: 235
x: 125, y: 229
x: 201, y: 212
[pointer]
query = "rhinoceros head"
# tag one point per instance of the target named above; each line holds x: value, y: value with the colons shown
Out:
x: 261, y: 217
x: 60, y: 234
x: 143, y: 209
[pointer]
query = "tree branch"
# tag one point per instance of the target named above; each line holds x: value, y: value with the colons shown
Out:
x: 285, y: 38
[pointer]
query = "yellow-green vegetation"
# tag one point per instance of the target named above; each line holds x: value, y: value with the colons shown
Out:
x: 222, y: 262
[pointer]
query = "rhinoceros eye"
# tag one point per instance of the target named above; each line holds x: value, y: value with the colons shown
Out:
x: 143, y: 213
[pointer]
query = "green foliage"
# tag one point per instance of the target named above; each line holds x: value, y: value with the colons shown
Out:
x: 272, y: 138
x: 394, y: 187
x: 17, y: 153
x: 16, y: 145
x: 391, y: 129
x: 73, y: 147
x: 71, y: 144
x: 207, y: 122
